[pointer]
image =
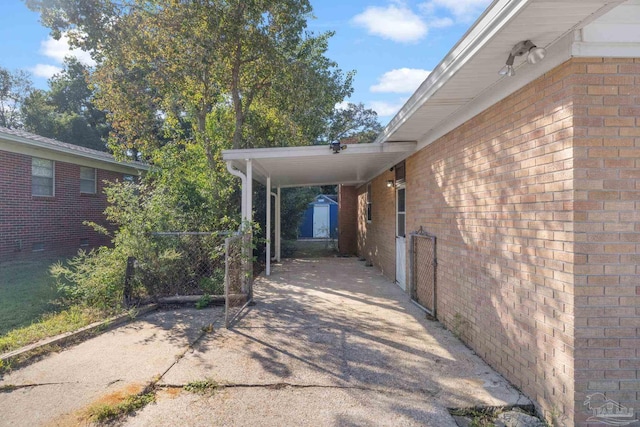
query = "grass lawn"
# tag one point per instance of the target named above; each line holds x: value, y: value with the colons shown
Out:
x: 26, y: 292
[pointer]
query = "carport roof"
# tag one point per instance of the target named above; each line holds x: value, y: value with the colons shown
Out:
x: 317, y: 165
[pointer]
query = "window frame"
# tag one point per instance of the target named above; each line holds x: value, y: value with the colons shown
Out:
x: 401, y: 213
x: 94, y: 181
x: 52, y: 178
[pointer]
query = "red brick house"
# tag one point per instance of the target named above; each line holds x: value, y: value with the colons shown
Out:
x: 530, y: 182
x: 47, y: 189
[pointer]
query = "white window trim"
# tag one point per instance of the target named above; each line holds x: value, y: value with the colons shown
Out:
x: 95, y: 180
x: 403, y: 212
x: 53, y: 178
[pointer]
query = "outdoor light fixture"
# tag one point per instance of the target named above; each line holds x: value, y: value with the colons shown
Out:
x: 534, y: 53
x: 390, y: 183
x: 336, y: 147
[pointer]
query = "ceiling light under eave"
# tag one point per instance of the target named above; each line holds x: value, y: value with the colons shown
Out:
x: 536, y: 54
x: 507, y: 70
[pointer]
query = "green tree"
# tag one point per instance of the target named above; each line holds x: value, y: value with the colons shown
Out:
x: 66, y: 111
x: 354, y: 121
x: 14, y: 89
x: 165, y: 66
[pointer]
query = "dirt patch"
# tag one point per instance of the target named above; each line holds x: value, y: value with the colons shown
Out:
x: 82, y: 416
x: 119, y: 396
x: 169, y: 393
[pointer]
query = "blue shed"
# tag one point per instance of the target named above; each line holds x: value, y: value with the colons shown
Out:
x: 320, y: 220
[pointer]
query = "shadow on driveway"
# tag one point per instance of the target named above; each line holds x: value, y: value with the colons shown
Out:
x: 330, y: 342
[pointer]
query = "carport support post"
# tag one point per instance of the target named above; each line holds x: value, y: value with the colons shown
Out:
x: 278, y: 199
x: 248, y: 228
x: 268, y: 240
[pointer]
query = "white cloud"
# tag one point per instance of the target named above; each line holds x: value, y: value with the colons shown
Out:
x: 394, y: 22
x: 401, y: 80
x: 59, y: 49
x: 45, y: 70
x: 342, y: 105
x: 441, y: 22
x: 462, y: 10
x: 386, y: 109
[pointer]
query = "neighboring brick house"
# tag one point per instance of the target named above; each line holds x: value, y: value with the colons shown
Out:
x: 530, y: 182
x: 47, y: 189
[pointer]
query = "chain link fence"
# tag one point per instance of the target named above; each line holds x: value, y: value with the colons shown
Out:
x: 238, y: 277
x: 208, y: 268
x: 423, y: 267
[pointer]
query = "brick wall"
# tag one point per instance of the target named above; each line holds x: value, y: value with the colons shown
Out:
x: 535, y: 203
x: 607, y: 230
x: 347, y: 220
x: 55, y: 222
x: 376, y: 239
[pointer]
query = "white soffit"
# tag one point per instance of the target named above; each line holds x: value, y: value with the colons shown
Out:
x: 470, y: 70
x: 317, y: 165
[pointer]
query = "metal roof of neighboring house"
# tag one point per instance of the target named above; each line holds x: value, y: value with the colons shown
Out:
x: 39, y: 144
x: 466, y: 82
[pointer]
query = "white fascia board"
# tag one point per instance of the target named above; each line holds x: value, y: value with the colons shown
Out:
x: 606, y: 50
x: 316, y: 151
x: 492, y: 20
x: 30, y: 147
x: 614, y: 34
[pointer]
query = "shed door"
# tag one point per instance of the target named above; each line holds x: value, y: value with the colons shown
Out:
x: 321, y: 222
x: 401, y: 258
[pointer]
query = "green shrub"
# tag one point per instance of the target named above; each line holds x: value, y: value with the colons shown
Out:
x: 213, y: 284
x: 93, y: 279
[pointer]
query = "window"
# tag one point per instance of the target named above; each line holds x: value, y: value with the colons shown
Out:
x: 128, y: 178
x: 400, y: 211
x: 42, y: 174
x: 87, y: 180
x: 400, y: 170
x: 369, y: 216
x: 37, y: 247
x: 84, y: 242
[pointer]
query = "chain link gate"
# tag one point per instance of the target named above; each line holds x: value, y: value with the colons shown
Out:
x: 423, y: 260
x: 217, y: 267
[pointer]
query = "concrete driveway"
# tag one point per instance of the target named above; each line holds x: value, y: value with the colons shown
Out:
x: 329, y: 343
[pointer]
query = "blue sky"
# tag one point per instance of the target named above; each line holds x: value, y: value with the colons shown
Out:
x: 391, y: 44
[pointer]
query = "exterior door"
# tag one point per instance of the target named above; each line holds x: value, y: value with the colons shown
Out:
x: 401, y: 252
x: 321, y: 221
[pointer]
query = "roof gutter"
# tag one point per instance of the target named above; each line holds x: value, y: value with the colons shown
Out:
x: 500, y: 13
x: 71, y: 152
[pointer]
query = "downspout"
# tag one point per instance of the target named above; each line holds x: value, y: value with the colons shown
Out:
x: 243, y: 178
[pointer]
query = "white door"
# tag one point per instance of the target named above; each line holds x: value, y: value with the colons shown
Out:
x: 321, y: 221
x: 401, y: 257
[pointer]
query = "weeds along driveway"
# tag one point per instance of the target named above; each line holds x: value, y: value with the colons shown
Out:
x: 330, y: 342
x: 58, y: 390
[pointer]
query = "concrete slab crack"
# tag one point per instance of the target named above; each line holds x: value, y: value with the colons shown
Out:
x: 282, y: 385
x: 8, y: 388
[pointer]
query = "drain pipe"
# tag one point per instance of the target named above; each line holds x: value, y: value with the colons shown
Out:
x: 243, y: 178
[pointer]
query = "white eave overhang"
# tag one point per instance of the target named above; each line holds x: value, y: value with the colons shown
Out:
x: 317, y: 165
x: 463, y: 84
x: 466, y: 81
